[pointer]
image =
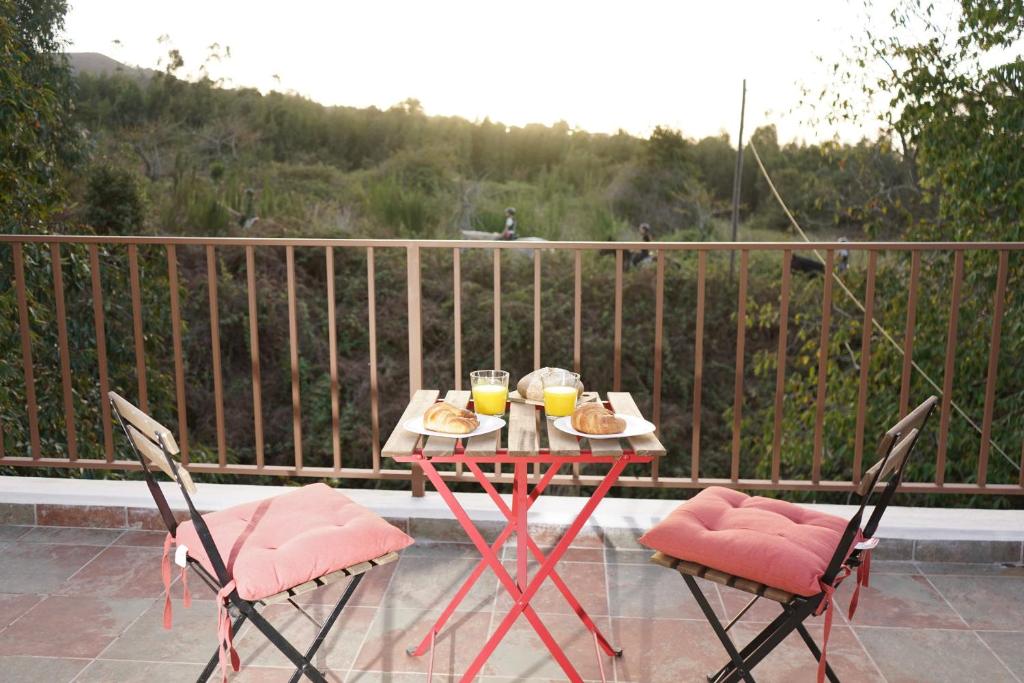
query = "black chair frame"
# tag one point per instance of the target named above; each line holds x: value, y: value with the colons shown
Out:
x: 239, y: 609
x: 895, y: 450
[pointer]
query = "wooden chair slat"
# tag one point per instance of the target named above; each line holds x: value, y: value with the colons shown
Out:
x: 144, y: 423
x: 402, y: 442
x: 333, y: 577
x: 888, y: 465
x: 645, y: 444
x: 151, y: 452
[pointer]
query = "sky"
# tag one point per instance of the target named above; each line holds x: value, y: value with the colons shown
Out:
x: 600, y: 66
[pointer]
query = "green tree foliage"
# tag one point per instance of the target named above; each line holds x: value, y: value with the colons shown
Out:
x: 36, y: 131
x: 113, y: 200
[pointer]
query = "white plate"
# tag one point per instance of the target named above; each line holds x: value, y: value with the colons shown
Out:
x: 635, y: 426
x: 488, y: 424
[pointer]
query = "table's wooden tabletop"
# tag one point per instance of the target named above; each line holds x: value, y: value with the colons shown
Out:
x: 526, y: 433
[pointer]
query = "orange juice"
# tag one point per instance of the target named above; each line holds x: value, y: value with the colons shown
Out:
x: 489, y: 399
x: 559, y: 401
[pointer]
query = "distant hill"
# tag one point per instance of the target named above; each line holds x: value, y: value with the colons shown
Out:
x: 96, y: 64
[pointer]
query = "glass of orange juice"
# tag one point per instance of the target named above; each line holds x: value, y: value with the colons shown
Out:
x: 560, y: 393
x: 490, y: 391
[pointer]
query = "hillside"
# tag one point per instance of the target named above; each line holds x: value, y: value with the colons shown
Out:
x: 96, y: 64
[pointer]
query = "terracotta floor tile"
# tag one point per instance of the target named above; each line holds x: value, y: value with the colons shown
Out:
x: 192, y: 638
x: 32, y: 669
x: 119, y: 572
x: 12, y: 532
x: 70, y: 535
x: 40, y: 568
x: 442, y: 549
x: 13, y: 605
x: 656, y: 592
x: 985, y: 602
x: 1009, y: 647
x: 338, y: 651
x: 912, y: 655
x: 585, y: 580
x: 73, y: 627
x: 628, y: 556
x: 393, y: 630
x: 521, y: 655
x: 430, y: 582
x: 106, y: 671
x: 899, y: 600
x: 147, y: 539
x: 792, y: 662
x: 665, y: 651
x: 388, y: 677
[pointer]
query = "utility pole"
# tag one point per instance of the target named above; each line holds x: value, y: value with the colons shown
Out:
x: 737, y: 180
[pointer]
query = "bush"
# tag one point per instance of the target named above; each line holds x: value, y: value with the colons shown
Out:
x: 113, y: 200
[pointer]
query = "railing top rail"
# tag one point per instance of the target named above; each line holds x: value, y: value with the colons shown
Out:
x: 502, y: 244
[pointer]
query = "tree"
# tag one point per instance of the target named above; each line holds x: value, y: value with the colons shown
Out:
x: 113, y: 201
x: 954, y: 95
x: 36, y: 132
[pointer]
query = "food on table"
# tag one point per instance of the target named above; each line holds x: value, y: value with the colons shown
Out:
x: 449, y: 419
x: 594, y: 418
x: 531, y: 387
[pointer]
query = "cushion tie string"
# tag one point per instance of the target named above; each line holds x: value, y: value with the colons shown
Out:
x: 186, y: 597
x: 826, y: 607
x: 165, y: 573
x: 863, y: 577
x: 225, y: 648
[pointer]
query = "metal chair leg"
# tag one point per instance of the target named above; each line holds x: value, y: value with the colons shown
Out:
x: 718, y: 628
x: 335, y: 613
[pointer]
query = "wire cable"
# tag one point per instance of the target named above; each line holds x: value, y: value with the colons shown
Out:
x: 877, y: 325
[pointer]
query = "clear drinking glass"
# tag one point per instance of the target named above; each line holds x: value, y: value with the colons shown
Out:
x: 490, y: 391
x: 560, y: 393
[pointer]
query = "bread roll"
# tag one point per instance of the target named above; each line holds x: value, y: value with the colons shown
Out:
x: 531, y: 387
x: 594, y: 418
x: 446, y: 418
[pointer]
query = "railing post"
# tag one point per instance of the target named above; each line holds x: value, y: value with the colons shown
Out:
x: 415, y: 343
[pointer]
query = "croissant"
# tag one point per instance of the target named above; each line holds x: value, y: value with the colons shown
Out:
x: 594, y: 418
x: 444, y: 417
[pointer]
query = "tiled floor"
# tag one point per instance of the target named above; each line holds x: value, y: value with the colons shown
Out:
x: 85, y: 605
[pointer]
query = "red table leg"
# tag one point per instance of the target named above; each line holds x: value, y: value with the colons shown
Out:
x: 421, y: 649
x: 522, y: 602
x: 519, y: 507
x: 577, y: 608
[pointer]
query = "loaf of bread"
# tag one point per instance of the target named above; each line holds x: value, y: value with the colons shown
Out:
x: 531, y: 387
x: 594, y: 418
x: 446, y: 418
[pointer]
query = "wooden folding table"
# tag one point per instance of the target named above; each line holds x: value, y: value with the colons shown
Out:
x: 526, y: 430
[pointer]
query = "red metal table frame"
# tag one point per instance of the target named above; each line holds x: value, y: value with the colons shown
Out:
x: 523, y: 587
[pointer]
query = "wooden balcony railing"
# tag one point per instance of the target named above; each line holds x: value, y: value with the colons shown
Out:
x: 767, y: 331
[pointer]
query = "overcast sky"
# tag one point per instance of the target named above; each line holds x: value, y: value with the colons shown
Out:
x: 598, y: 66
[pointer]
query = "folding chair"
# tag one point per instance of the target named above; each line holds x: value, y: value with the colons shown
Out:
x: 781, y: 552
x: 275, y: 548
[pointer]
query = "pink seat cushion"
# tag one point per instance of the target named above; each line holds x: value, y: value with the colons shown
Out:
x: 769, y: 541
x: 272, y: 545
